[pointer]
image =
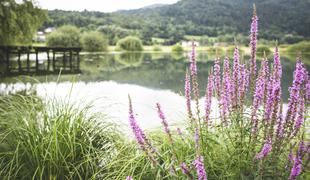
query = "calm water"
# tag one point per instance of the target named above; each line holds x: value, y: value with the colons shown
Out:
x: 107, y: 79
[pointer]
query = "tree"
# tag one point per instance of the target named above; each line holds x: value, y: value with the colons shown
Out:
x: 19, y: 21
x: 130, y: 43
x: 94, y: 41
x: 65, y: 36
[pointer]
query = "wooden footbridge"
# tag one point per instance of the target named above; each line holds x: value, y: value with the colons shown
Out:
x: 16, y: 60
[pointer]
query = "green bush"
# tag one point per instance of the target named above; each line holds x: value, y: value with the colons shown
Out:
x: 65, y: 36
x: 94, y: 42
x: 157, y: 48
x: 51, y: 140
x: 130, y: 43
x: 177, y: 48
x: 261, y: 49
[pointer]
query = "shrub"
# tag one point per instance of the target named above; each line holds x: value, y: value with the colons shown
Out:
x: 94, y: 42
x: 51, y: 140
x: 130, y: 43
x: 303, y: 47
x: 157, y: 48
x: 65, y: 36
x: 261, y: 49
x: 177, y: 48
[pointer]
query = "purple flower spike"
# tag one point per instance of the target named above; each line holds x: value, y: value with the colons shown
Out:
x: 236, y: 72
x: 217, y: 76
x: 196, y: 138
x: 193, y: 60
x: 201, y: 172
x: 208, y: 98
x: 253, y: 44
x: 300, y: 115
x: 163, y: 119
x: 227, y: 90
x: 137, y: 131
x: 265, y: 150
x: 297, y: 166
x: 188, y: 94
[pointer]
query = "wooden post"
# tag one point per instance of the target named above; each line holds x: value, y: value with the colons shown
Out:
x: 18, y: 61
x: 71, y: 69
x: 54, y: 61
x: 78, y: 60
x: 28, y: 60
x: 48, y: 60
x: 64, y: 60
x: 8, y: 59
x: 37, y: 60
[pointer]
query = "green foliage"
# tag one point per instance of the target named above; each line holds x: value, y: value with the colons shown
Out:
x: 177, y: 48
x: 65, y: 36
x: 261, y: 49
x: 130, y: 43
x: 52, y: 140
x: 19, y: 21
x: 94, y: 41
x: 157, y: 48
x: 303, y: 47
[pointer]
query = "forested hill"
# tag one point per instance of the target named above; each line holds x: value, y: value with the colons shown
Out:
x: 277, y: 18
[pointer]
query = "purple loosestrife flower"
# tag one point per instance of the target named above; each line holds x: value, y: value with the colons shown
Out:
x: 299, y: 78
x: 265, y: 150
x: 226, y: 92
x: 188, y: 95
x: 184, y: 169
x: 137, y: 131
x: 208, y: 100
x: 308, y: 90
x: 300, y: 115
x: 244, y: 75
x: 297, y: 166
x: 193, y: 60
x: 277, y: 67
x: 236, y: 72
x: 253, y: 45
x: 201, y: 172
x: 259, y: 94
x: 129, y: 178
x: 217, y: 76
x: 280, y: 123
x: 163, y: 120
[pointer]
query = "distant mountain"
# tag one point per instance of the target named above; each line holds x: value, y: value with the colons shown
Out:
x: 277, y: 19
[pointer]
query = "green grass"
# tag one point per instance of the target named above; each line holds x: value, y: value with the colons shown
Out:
x: 52, y: 140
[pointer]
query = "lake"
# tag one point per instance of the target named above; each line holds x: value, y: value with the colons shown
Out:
x: 106, y: 79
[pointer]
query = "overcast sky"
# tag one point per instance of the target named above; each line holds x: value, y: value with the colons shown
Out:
x: 99, y: 5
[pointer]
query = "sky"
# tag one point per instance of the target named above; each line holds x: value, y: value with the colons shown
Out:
x: 99, y: 5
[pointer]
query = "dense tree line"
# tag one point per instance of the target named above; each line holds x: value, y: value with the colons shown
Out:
x: 284, y: 20
x: 19, y: 21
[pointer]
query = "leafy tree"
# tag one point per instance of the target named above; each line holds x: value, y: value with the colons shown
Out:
x: 19, y: 21
x: 65, y: 36
x: 177, y: 48
x: 94, y: 41
x: 130, y: 43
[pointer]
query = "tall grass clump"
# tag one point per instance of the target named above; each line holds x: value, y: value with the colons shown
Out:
x: 130, y: 43
x: 252, y: 135
x: 52, y: 140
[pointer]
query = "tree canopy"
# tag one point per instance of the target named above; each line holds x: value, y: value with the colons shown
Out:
x: 19, y: 21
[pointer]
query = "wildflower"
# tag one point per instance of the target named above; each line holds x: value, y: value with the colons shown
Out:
x: 280, y: 130
x: 259, y: 93
x: 297, y: 166
x: 193, y: 60
x: 217, y: 76
x: 253, y: 45
x: 129, y: 178
x: 163, y: 120
x: 188, y: 95
x: 208, y: 98
x: 308, y: 90
x: 137, y: 131
x: 226, y: 90
x: 244, y: 75
x: 299, y: 78
x: 200, y: 168
x: 265, y: 150
x: 300, y: 115
x: 184, y: 169
x: 236, y: 72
